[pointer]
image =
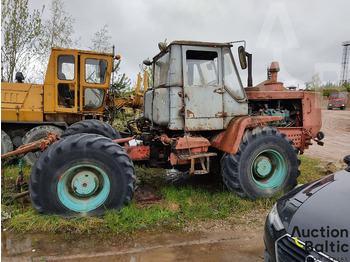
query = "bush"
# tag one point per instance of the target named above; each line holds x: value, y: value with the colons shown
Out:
x: 327, y: 91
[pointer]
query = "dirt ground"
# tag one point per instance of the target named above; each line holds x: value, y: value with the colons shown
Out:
x: 336, y: 127
x: 239, y: 245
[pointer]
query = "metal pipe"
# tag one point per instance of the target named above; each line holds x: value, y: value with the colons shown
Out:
x: 124, y: 140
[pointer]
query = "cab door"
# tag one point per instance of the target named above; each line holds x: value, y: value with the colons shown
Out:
x: 203, y: 88
x: 66, y: 82
x: 94, y: 81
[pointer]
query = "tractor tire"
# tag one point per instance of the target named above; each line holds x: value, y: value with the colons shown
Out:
x: 34, y: 134
x: 92, y: 126
x: 82, y: 175
x: 6, y: 143
x: 265, y: 165
x: 17, y: 137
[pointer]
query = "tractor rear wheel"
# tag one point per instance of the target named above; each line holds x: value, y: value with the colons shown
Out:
x: 82, y: 175
x: 92, y: 126
x: 266, y: 164
x: 6, y: 143
x: 34, y: 134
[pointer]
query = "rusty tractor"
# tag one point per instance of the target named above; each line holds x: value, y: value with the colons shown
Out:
x: 76, y: 87
x: 196, y: 115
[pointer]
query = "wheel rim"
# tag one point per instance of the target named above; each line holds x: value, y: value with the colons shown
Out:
x: 269, y: 169
x: 83, y: 188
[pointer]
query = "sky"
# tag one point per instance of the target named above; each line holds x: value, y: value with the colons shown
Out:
x: 305, y: 37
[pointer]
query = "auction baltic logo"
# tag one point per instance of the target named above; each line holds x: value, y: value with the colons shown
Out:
x: 332, y: 243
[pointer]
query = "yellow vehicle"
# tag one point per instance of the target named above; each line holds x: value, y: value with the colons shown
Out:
x: 75, y: 88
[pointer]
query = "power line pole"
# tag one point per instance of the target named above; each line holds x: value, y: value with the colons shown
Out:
x: 345, y: 63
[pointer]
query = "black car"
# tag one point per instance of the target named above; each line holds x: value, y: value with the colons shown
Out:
x: 312, y: 222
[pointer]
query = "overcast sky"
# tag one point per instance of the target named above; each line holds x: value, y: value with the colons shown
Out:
x: 305, y: 37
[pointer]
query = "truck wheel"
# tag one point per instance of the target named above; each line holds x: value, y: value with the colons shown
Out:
x: 6, y: 143
x: 34, y: 134
x: 92, y: 126
x: 266, y: 164
x: 82, y: 175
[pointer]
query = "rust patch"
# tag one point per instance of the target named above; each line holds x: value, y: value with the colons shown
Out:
x: 138, y: 153
x: 189, y: 113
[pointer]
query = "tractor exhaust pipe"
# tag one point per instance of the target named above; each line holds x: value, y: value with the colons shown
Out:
x: 250, y: 73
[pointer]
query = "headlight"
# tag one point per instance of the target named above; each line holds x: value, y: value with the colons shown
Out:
x: 274, y: 219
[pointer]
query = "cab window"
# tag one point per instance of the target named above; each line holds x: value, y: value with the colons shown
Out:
x: 65, y: 67
x: 93, y: 98
x: 95, y: 71
x: 161, y: 68
x: 202, y: 68
x: 232, y: 81
x: 65, y: 72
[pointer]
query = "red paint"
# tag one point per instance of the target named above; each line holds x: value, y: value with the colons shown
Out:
x: 138, y: 153
x: 229, y: 140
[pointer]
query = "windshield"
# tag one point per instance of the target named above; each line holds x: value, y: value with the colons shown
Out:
x: 95, y: 71
x: 232, y: 81
x: 337, y: 95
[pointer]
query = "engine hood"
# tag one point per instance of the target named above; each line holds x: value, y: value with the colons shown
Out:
x: 319, y: 212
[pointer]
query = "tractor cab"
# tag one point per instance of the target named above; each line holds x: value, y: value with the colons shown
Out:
x: 77, y: 81
x: 196, y: 87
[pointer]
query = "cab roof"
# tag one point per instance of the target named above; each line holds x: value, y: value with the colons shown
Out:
x: 198, y: 43
x: 164, y: 49
x: 80, y: 51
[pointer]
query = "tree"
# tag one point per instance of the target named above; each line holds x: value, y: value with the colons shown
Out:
x: 101, y: 40
x: 122, y: 83
x: 58, y: 31
x: 314, y: 84
x: 20, y: 32
x: 101, y: 43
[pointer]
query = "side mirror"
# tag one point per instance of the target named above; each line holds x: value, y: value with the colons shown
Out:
x: 147, y: 62
x: 242, y: 57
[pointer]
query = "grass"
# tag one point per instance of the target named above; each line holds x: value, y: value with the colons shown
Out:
x: 179, y: 207
x: 311, y: 169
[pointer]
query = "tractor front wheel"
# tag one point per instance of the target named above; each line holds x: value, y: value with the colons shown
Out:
x: 82, y: 175
x: 266, y: 164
